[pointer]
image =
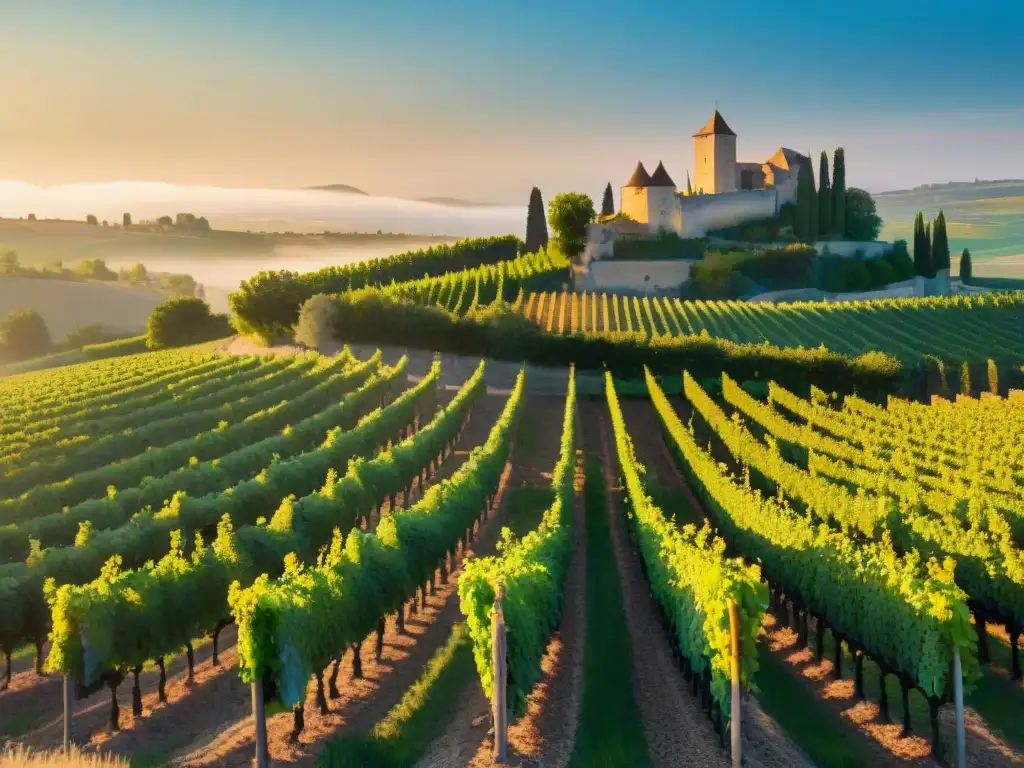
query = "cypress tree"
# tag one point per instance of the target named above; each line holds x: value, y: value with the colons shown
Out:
x: 839, y: 192
x: 920, y: 251
x: 689, y: 189
x: 608, y: 203
x: 824, y: 198
x: 940, y: 244
x: 928, y: 250
x: 965, y: 266
x: 965, y: 380
x: 804, y: 201
x: 814, y: 203
x: 536, y: 223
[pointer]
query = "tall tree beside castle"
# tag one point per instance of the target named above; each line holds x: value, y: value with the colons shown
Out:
x: 824, y: 198
x: 608, y: 202
x: 940, y: 244
x: 805, y: 201
x: 921, y: 257
x: 536, y: 223
x: 689, y: 187
x: 966, y: 268
x: 814, y: 201
x: 928, y: 250
x: 839, y: 192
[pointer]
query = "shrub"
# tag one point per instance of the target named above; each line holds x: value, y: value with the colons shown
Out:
x: 316, y: 322
x: 184, y: 320
x: 900, y: 261
x: 87, y: 334
x: 664, y: 246
x: 369, y: 316
x: 881, y: 272
x: 267, y: 304
x: 95, y: 269
x: 23, y: 334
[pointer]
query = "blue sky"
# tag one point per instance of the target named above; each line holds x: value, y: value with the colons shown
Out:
x: 485, y: 99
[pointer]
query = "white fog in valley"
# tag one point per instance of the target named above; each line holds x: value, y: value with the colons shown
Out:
x: 221, y: 266
x: 297, y: 210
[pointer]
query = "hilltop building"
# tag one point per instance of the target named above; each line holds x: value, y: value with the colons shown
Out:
x: 726, y: 192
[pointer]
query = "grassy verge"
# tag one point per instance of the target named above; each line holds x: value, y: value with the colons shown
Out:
x: 610, y: 732
x: 408, y: 729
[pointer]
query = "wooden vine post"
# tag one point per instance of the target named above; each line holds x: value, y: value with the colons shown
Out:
x: 68, y: 706
x: 734, y: 715
x: 260, y: 716
x: 958, y: 698
x: 499, y: 654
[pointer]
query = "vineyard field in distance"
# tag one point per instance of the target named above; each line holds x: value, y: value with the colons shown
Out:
x: 958, y: 328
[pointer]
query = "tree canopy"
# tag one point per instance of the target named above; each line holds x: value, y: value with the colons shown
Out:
x: 23, y: 334
x: 863, y: 223
x: 966, y: 268
x: 569, y: 213
x: 608, y: 202
x: 536, y: 226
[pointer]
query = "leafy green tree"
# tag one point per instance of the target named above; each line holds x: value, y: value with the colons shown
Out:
x: 824, y: 198
x: 862, y: 220
x: 183, y: 320
x: 95, y: 269
x: 805, y: 199
x: 9, y: 262
x: 126, y: 220
x: 993, y: 377
x: 23, y: 334
x: 536, y: 226
x: 940, y: 244
x: 608, y: 202
x: 899, y: 259
x: 569, y: 213
x: 966, y: 269
x: 882, y: 272
x: 839, y: 194
x: 137, y: 274
x: 91, y: 219
x: 165, y: 221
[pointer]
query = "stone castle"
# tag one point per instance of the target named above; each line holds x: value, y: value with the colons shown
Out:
x: 725, y: 192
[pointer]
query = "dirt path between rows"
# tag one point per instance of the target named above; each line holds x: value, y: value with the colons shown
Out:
x: 764, y: 742
x: 361, y: 701
x: 170, y: 727
x: 545, y: 735
x: 881, y: 740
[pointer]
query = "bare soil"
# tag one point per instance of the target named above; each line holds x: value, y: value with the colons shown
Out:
x: 764, y: 742
x: 545, y: 735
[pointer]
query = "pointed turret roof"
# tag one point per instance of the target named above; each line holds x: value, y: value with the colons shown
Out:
x: 640, y: 177
x: 715, y: 126
x: 660, y: 177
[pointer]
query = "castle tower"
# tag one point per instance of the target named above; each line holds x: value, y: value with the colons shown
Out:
x: 714, y: 157
x: 633, y: 195
x: 662, y: 208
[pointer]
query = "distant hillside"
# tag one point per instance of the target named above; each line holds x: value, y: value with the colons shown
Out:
x: 67, y: 305
x: 455, y: 202
x: 985, y: 216
x: 345, y: 189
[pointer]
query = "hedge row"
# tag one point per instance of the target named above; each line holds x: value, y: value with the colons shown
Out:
x: 368, y: 316
x: 267, y: 304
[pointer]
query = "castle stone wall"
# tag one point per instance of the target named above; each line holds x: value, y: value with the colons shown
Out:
x: 703, y: 213
x: 639, y: 276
